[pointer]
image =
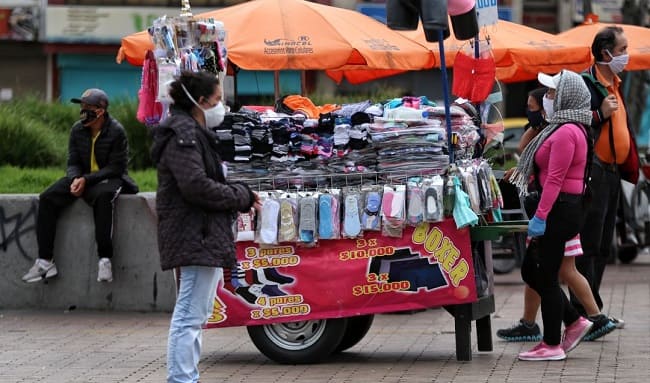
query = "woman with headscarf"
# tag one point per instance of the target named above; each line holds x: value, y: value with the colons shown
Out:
x: 558, y: 158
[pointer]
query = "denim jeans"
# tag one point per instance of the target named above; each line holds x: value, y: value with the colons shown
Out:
x: 194, y: 303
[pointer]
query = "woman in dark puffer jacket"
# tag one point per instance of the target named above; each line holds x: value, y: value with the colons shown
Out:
x: 196, y: 208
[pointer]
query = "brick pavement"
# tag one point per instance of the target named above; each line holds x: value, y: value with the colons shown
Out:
x: 91, y: 346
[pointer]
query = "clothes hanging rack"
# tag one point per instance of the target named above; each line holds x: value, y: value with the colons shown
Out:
x: 303, y: 182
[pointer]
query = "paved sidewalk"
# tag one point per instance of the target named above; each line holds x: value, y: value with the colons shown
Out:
x: 82, y: 346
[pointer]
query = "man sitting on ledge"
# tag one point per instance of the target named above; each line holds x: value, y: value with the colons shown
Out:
x: 97, y: 172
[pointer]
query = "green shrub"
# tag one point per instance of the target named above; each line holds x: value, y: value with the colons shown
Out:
x: 56, y: 116
x: 147, y: 180
x: 29, y: 142
x: 35, y: 133
x: 15, y: 180
x: 139, y: 136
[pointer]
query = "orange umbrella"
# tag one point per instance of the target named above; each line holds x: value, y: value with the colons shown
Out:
x: 638, y: 39
x: 519, y: 52
x: 297, y: 34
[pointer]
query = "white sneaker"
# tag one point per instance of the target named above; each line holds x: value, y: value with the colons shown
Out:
x: 42, y: 269
x: 618, y: 322
x: 104, y: 270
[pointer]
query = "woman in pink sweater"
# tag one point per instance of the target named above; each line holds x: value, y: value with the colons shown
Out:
x: 557, y: 158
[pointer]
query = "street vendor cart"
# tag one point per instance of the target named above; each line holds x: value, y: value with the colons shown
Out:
x: 315, y: 291
x: 330, y: 294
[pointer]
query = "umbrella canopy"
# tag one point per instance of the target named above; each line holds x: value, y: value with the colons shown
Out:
x: 638, y: 39
x: 519, y: 53
x: 297, y: 34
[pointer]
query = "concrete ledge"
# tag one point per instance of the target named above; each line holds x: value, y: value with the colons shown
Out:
x: 139, y: 284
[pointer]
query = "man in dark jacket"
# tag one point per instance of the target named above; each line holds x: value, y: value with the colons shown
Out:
x: 97, y: 172
x: 615, y: 158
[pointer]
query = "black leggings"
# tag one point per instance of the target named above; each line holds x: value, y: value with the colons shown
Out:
x: 542, y: 261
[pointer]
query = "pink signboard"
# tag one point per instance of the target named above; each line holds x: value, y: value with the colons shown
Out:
x: 429, y: 266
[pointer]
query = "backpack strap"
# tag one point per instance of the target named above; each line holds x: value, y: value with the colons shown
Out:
x: 590, y: 158
x: 589, y: 75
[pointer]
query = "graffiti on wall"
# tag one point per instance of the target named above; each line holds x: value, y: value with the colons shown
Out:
x: 13, y: 228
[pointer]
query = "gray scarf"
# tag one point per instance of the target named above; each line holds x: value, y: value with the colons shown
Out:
x: 571, y: 105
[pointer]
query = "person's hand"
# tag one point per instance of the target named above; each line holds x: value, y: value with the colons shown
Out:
x: 609, y: 106
x: 508, y: 174
x: 78, y: 186
x: 257, y: 204
x: 536, y: 227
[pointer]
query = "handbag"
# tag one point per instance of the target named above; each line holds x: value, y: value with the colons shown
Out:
x: 531, y: 201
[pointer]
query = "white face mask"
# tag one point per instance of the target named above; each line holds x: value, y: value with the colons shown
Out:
x: 618, y: 63
x: 548, y: 107
x: 213, y: 116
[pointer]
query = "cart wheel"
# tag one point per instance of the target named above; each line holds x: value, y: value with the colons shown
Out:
x: 299, y: 342
x: 505, y: 255
x: 357, y: 328
x: 503, y: 265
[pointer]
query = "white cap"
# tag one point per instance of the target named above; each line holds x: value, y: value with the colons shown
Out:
x: 548, y: 80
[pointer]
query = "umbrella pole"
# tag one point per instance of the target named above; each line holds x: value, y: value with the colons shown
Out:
x: 276, y: 84
x: 445, y: 90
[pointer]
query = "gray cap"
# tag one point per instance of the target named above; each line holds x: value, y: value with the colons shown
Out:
x: 92, y: 96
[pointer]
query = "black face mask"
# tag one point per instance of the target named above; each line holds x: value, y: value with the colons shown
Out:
x: 535, y: 118
x: 87, y: 116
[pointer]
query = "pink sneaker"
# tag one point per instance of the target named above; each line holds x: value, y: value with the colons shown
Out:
x: 543, y: 352
x: 575, y: 332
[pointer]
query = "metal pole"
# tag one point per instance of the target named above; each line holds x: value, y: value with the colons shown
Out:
x: 276, y: 84
x: 445, y: 89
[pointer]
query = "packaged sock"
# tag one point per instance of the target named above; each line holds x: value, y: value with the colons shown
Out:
x: 328, y: 215
x: 351, y: 214
x: 245, y: 228
x: 267, y: 233
x: 470, y: 185
x: 370, y: 218
x: 415, y: 203
x: 483, y: 179
x: 325, y: 225
x: 288, y: 231
x: 433, y: 199
x: 307, y: 213
x: 393, y: 206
